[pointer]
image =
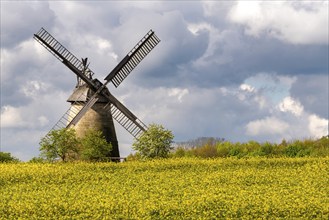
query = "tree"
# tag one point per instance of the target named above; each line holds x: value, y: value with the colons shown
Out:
x: 155, y: 142
x: 6, y: 157
x: 62, y: 143
x: 37, y: 160
x: 95, y: 147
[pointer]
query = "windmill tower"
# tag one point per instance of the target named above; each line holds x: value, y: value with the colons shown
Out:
x: 92, y: 104
x: 96, y: 117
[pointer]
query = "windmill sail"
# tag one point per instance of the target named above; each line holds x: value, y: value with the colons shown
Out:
x: 79, y: 108
x: 63, y: 55
x: 133, y: 58
x: 118, y: 111
x: 134, y: 127
x: 69, y: 115
x: 83, y: 111
x: 125, y: 117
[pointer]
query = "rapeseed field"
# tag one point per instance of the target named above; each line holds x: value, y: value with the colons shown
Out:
x: 180, y: 188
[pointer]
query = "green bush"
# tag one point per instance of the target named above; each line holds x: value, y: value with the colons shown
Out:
x: 235, y: 151
x: 205, y: 151
x: 279, y: 150
x: 154, y: 142
x: 94, y: 147
x: 297, y: 148
x: 37, y: 160
x: 251, y: 148
x: 179, y: 152
x: 134, y: 157
x: 65, y: 144
x: 7, y: 157
x: 62, y: 143
x: 266, y: 149
x: 321, y: 147
x: 223, y: 149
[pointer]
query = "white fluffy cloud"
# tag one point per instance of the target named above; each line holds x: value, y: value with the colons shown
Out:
x: 11, y: 117
x: 33, y: 88
x: 288, y: 104
x: 267, y: 126
x: 288, y: 120
x: 247, y: 88
x: 178, y: 93
x: 16, y: 117
x: 303, y: 22
x: 318, y: 127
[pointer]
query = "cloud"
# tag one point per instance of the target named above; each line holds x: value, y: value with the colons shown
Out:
x: 32, y: 116
x: 318, y: 127
x: 247, y: 88
x: 290, y: 105
x: 19, y: 20
x: 15, y: 117
x: 178, y: 93
x: 191, y: 111
x: 287, y: 121
x: 268, y: 125
x: 32, y: 88
x: 11, y: 117
x: 213, y: 43
x: 291, y: 22
x: 216, y: 72
x: 313, y: 93
x: 21, y: 143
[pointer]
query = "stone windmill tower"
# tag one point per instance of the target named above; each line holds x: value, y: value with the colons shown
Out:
x: 92, y: 104
x: 96, y: 117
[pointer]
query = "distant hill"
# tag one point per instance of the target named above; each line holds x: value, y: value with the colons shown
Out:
x: 198, y: 142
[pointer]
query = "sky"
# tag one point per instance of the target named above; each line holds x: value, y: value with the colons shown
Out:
x: 249, y: 70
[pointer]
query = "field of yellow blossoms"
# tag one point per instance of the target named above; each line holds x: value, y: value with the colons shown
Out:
x: 186, y: 188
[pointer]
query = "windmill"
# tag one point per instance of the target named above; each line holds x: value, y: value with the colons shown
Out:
x: 92, y: 104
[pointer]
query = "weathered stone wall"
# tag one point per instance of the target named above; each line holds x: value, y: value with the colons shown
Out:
x: 99, y: 119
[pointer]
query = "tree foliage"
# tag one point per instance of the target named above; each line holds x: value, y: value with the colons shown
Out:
x: 296, y: 148
x: 95, y: 147
x: 62, y: 143
x: 65, y: 144
x: 155, y: 142
x: 200, y: 141
x: 37, y: 160
x: 7, y: 157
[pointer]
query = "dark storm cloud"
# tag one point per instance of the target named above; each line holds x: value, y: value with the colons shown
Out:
x: 274, y: 56
x: 181, y: 52
x: 313, y: 93
x: 236, y: 56
x: 246, y: 56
